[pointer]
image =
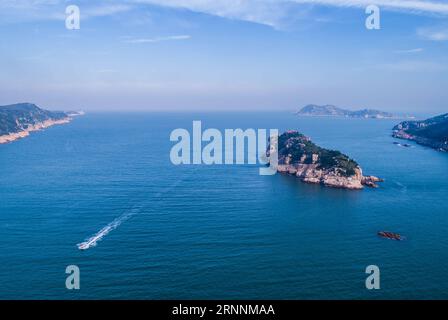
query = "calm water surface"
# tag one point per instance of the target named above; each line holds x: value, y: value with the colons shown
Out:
x: 203, y: 232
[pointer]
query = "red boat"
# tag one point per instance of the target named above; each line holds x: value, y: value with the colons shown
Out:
x: 390, y: 235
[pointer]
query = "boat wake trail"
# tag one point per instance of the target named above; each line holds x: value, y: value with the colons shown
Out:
x: 93, y: 240
x: 402, y: 187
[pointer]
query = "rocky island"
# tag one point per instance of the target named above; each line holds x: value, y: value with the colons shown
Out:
x: 432, y: 132
x: 18, y: 120
x: 330, y: 110
x: 299, y: 156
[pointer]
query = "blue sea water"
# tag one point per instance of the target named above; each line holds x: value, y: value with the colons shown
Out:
x: 216, y: 232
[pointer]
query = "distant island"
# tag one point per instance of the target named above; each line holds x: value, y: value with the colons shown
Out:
x: 18, y: 120
x: 299, y: 156
x: 330, y: 110
x: 432, y: 132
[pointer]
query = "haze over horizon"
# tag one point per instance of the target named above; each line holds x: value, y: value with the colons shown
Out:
x: 182, y: 55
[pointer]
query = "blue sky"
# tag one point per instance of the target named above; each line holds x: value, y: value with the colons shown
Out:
x: 271, y: 55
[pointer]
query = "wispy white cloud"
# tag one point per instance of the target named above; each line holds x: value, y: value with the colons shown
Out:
x: 89, y: 12
x: 39, y: 10
x: 158, y: 39
x: 414, y: 6
x: 414, y: 66
x: 107, y: 71
x: 434, y: 33
x: 268, y: 12
x: 416, y: 50
x: 271, y: 12
x: 105, y: 10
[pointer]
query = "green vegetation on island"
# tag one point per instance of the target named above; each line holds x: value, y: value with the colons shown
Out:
x: 18, y: 117
x: 296, y: 148
x: 18, y: 120
x: 432, y: 132
x: 299, y: 156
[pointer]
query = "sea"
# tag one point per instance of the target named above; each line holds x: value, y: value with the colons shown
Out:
x: 165, y: 231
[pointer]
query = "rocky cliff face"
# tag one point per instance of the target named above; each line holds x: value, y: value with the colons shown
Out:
x: 432, y: 132
x: 300, y: 157
x: 18, y: 120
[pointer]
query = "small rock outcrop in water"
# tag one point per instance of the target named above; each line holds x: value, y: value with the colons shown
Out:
x: 391, y: 235
x: 432, y: 132
x: 18, y: 120
x: 299, y: 156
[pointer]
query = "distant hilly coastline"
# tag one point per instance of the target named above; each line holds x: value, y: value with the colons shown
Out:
x: 331, y: 110
x: 432, y: 132
x: 18, y: 120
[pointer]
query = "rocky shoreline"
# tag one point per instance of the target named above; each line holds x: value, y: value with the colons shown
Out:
x: 35, y: 127
x: 432, y: 132
x: 329, y: 178
x: 438, y: 145
x: 299, y: 157
x: 18, y: 120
